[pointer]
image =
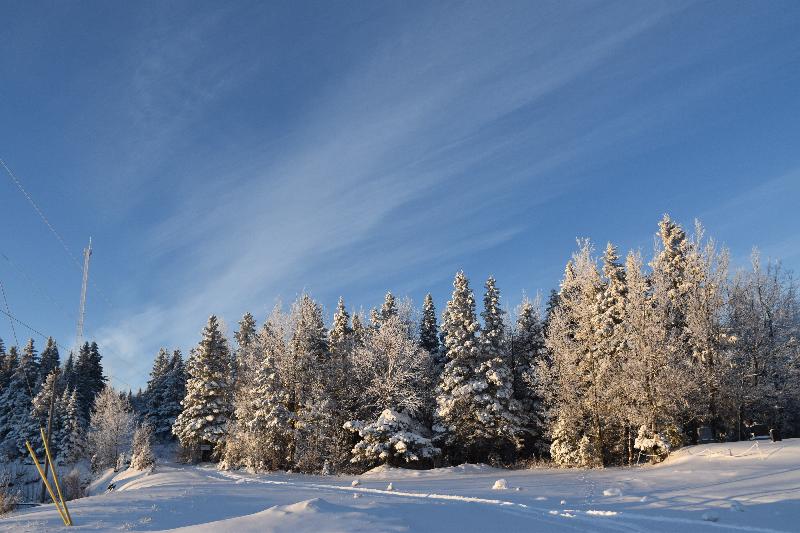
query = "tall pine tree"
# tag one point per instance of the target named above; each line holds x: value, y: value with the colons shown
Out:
x: 207, y: 405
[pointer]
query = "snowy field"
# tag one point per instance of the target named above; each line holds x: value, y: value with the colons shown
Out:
x: 719, y: 487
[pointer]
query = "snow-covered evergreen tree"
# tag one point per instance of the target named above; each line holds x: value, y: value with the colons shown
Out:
x: 207, y: 404
x: 173, y: 392
x: 16, y: 423
x: 48, y: 360
x: 264, y: 427
x: 429, y: 329
x: 153, y: 394
x: 341, y: 332
x: 574, y: 382
x: 359, y: 329
x: 40, y: 410
x: 394, y: 438
x: 89, y: 377
x: 245, y: 360
x: 68, y: 377
x: 308, y: 386
x: 6, y: 367
x: 475, y: 414
x: 389, y: 307
x: 499, y: 411
x: 527, y: 350
x: 70, y: 435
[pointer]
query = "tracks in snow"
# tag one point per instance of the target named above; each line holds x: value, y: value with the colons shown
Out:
x: 591, y: 519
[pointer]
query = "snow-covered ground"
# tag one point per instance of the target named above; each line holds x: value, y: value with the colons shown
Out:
x: 720, y: 487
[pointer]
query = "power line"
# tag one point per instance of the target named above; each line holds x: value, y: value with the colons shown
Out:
x: 66, y: 248
x: 47, y: 223
x: 50, y: 297
x: 8, y: 309
x: 42, y: 335
x: 37, y: 288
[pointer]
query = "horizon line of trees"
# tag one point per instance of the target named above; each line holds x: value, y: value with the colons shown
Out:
x: 625, y: 359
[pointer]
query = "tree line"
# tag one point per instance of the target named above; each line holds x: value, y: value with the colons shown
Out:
x: 625, y: 359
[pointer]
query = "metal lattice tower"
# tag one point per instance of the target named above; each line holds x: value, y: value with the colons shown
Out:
x: 87, y: 253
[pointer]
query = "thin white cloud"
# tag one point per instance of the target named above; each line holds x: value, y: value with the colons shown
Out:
x: 406, y: 120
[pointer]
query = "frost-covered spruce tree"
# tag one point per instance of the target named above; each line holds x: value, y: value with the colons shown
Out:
x: 670, y: 296
x: 574, y: 383
x: 475, y: 414
x: 500, y: 413
x: 527, y: 350
x: 245, y: 359
x: 389, y: 307
x: 142, y: 456
x: 308, y: 385
x: 68, y: 377
x: 70, y: 435
x: 341, y: 332
x: 48, y: 360
x: 609, y: 339
x: 6, y: 367
x: 394, y: 438
x: 153, y: 394
x: 40, y: 410
x: 264, y: 427
x: 109, y: 428
x: 207, y: 404
x: 89, y: 378
x: 16, y: 423
x: 173, y: 391
x: 429, y: 334
x: 359, y: 329
x: 456, y: 427
x: 342, y: 342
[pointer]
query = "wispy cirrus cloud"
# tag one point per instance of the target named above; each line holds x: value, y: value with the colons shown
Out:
x: 392, y: 163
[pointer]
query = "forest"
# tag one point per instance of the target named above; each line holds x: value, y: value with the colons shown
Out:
x: 628, y: 360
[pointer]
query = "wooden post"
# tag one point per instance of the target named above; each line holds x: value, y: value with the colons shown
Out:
x: 55, y: 478
x: 46, y: 484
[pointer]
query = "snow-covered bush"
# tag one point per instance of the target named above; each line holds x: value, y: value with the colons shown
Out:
x: 500, y: 484
x: 394, y: 438
x: 142, y: 457
x: 73, y: 485
x: 9, y: 498
x: 655, y: 445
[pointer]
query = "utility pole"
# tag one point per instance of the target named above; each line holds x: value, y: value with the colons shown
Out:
x: 87, y: 253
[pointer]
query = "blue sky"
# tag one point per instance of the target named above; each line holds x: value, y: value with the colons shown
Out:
x: 225, y: 156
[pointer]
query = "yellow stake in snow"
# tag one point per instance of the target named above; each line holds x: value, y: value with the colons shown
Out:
x: 47, y: 484
x: 55, y: 475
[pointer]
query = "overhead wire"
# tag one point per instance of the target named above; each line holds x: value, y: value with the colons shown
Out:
x: 17, y: 182
x: 42, y: 291
x: 50, y: 226
x: 8, y: 312
x: 42, y: 335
